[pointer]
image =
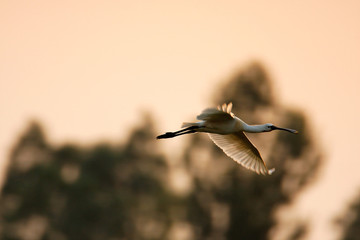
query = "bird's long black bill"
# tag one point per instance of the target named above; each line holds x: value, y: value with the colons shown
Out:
x: 178, y: 133
x: 284, y: 129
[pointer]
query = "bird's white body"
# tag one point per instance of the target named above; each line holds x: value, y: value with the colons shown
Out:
x: 227, y: 127
x: 227, y: 132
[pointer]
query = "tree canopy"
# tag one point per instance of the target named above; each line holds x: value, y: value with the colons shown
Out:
x: 119, y: 191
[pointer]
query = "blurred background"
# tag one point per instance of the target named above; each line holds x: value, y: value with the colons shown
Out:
x: 85, y: 87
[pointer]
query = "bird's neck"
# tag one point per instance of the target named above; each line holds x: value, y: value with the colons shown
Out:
x: 253, y: 128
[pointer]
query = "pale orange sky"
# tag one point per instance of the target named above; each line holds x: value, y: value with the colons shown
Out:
x: 86, y: 69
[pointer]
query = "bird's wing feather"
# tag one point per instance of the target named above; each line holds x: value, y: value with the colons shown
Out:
x: 220, y: 113
x: 238, y: 147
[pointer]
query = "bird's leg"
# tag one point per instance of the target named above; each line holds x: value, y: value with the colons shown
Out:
x: 188, y: 130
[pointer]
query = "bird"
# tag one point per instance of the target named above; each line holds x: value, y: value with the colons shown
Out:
x: 228, y: 132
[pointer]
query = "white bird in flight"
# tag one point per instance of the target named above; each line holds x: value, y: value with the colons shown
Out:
x: 227, y: 132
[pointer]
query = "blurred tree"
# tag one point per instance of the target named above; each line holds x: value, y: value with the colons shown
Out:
x: 350, y: 221
x: 102, y: 192
x: 120, y: 192
x: 230, y: 202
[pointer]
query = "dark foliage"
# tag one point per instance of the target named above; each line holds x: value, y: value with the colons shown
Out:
x: 350, y: 221
x: 121, y: 191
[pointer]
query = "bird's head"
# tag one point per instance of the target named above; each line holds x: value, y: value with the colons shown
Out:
x: 269, y: 127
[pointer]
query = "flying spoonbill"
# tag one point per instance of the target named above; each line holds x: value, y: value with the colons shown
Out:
x: 227, y: 132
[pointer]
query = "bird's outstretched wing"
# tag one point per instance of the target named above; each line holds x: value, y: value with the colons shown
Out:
x: 220, y: 113
x: 238, y: 147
